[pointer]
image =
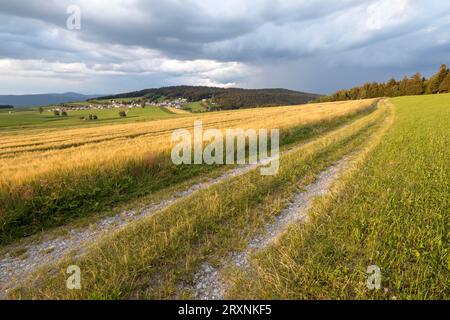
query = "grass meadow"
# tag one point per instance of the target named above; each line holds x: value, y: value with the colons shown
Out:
x: 30, y: 119
x: 392, y: 210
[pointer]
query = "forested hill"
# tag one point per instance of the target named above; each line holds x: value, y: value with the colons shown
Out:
x: 224, y: 98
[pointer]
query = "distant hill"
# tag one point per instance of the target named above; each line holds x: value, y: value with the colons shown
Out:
x: 225, y: 98
x: 32, y: 100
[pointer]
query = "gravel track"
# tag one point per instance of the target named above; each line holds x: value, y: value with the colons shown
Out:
x: 208, y: 284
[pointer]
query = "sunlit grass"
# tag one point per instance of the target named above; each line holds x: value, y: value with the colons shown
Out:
x: 392, y: 211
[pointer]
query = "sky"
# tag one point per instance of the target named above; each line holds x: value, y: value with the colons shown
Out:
x: 320, y: 46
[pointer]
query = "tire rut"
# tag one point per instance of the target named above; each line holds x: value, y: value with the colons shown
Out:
x: 208, y: 284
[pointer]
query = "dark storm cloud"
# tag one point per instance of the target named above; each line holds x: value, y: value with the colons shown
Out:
x: 222, y: 43
x: 177, y: 28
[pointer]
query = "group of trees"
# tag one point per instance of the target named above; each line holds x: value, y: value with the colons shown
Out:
x: 408, y: 86
x: 6, y: 107
x: 62, y: 113
x: 89, y: 117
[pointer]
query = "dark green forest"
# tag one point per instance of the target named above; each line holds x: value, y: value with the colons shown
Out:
x: 6, y: 107
x: 224, y: 98
x: 408, y: 86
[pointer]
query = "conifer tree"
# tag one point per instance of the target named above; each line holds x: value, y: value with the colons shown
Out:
x: 436, y: 80
x: 445, y: 84
x: 392, y: 88
x: 415, y: 85
x: 403, y: 86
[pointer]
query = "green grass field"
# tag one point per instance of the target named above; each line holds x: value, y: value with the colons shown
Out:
x: 392, y: 211
x: 32, y: 119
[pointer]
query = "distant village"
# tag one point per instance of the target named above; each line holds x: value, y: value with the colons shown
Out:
x: 113, y: 104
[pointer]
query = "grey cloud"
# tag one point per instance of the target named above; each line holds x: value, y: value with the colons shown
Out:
x: 377, y: 37
x: 179, y: 28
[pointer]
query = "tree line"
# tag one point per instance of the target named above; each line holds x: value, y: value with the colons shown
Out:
x: 244, y: 98
x: 6, y: 106
x: 408, y: 86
